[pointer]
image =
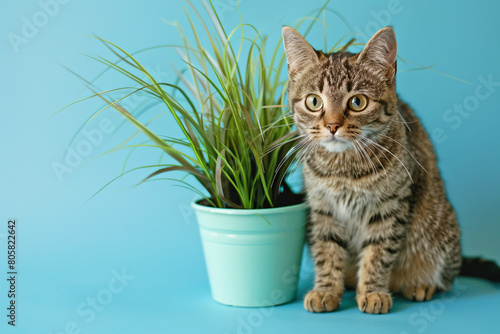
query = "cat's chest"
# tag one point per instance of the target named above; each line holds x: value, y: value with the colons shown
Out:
x: 350, y: 209
x: 350, y: 206
x: 345, y: 202
x: 347, y: 205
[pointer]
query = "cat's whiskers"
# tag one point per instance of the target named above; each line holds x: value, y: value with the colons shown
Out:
x: 356, y: 149
x: 299, y: 156
x: 303, y: 143
x: 372, y: 164
x: 281, y: 118
x: 394, y: 140
x: 283, y: 143
x: 285, y: 115
x: 404, y: 121
x: 361, y: 153
x: 380, y: 162
x: 276, y: 126
x: 304, y: 151
x: 291, y: 152
x: 385, y: 156
x: 385, y: 149
x: 310, y: 149
x: 382, y: 152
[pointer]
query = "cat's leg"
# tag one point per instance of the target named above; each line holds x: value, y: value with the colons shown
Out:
x: 432, y: 260
x: 417, y: 278
x: 385, y: 235
x: 328, y: 248
x: 415, y: 275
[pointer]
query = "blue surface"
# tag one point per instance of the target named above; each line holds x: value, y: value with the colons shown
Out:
x: 70, y: 248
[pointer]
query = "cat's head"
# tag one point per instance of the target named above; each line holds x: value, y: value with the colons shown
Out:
x: 342, y: 97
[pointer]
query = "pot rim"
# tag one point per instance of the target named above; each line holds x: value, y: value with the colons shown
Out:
x: 243, y: 212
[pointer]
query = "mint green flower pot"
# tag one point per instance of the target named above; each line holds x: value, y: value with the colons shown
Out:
x: 252, y: 261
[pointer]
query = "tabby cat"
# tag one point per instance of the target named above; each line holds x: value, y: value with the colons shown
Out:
x: 380, y: 220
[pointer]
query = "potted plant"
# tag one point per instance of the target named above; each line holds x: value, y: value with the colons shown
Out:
x: 238, y: 143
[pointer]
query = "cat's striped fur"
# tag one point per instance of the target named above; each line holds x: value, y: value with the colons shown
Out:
x: 380, y: 219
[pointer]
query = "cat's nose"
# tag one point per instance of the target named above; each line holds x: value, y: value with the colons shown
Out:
x: 333, y: 127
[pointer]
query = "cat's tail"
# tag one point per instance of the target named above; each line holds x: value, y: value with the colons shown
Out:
x: 480, y: 268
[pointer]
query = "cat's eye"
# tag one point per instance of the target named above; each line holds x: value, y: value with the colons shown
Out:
x: 314, y: 102
x: 358, y: 103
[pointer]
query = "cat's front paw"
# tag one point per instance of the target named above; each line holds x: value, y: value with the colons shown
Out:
x: 374, y: 302
x: 321, y: 301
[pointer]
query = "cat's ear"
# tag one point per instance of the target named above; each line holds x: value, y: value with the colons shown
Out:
x: 299, y: 53
x: 381, y: 51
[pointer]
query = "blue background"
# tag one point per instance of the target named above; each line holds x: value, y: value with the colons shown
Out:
x: 69, y: 248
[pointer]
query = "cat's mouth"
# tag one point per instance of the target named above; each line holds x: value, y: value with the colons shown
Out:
x: 335, y: 143
x: 334, y: 138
